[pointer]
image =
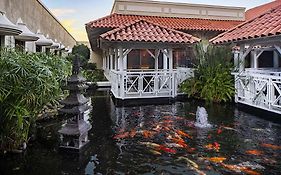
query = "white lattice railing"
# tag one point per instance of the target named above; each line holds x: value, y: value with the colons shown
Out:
x: 260, y: 89
x: 147, y: 83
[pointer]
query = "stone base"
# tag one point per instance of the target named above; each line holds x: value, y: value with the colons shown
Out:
x: 73, y: 149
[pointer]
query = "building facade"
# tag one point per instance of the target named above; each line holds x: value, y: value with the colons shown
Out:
x: 145, y: 46
x: 37, y: 18
x: 258, y: 60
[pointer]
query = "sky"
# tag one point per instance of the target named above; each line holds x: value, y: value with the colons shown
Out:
x: 74, y: 14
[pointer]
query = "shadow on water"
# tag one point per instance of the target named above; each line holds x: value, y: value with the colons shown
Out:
x: 155, y: 139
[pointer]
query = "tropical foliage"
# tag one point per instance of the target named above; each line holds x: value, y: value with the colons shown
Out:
x: 93, y: 75
x: 212, y: 79
x: 83, y: 52
x: 28, y: 81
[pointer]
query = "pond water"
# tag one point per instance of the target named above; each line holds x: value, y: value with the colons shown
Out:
x: 157, y: 139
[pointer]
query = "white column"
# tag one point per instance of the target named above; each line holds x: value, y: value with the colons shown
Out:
x: 173, y: 86
x: 256, y: 65
x: 125, y: 62
x: 252, y: 58
x: 275, y: 59
x: 122, y: 88
x: 111, y: 58
x: 103, y: 60
x: 170, y: 53
x: 165, y: 61
x: 156, y: 80
x: 107, y: 60
x: 236, y: 59
x: 156, y: 59
x: 242, y: 58
x: 116, y: 59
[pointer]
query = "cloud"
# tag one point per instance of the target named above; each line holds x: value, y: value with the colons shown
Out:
x: 79, y: 33
x: 62, y: 11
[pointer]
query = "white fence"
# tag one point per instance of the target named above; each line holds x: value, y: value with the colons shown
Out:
x: 259, y: 88
x: 147, y: 83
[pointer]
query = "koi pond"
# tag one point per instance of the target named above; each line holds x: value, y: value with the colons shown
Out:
x: 157, y: 139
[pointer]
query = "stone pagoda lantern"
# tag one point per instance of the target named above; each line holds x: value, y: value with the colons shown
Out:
x: 74, y: 133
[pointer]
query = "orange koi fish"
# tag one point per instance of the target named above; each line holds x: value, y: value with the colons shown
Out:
x: 133, y: 133
x: 122, y: 135
x: 166, y: 149
x: 219, y: 131
x: 250, y: 171
x: 182, y: 133
x: 239, y: 169
x: 147, y: 134
x: 216, y: 159
x: 275, y: 147
x: 254, y: 152
x: 213, y: 146
x: 232, y: 167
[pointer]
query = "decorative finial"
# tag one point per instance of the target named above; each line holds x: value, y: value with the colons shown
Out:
x: 76, y: 65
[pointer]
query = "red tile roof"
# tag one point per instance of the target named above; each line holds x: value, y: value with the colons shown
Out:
x: 267, y: 24
x: 146, y: 31
x: 257, y: 11
x: 116, y: 20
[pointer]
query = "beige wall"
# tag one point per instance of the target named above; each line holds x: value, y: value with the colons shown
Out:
x: 185, y: 10
x: 37, y: 16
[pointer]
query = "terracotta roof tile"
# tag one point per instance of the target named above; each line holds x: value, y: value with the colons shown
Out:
x: 257, y: 11
x: 267, y: 24
x: 145, y: 31
x: 116, y: 20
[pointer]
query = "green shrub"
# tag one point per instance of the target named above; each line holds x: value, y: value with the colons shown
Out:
x: 212, y: 79
x: 28, y: 81
x: 94, y: 75
x: 83, y: 52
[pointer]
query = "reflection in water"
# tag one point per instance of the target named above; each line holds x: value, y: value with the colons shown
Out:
x: 158, y: 139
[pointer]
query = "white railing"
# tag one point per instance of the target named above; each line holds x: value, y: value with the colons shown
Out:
x: 259, y: 88
x: 147, y: 83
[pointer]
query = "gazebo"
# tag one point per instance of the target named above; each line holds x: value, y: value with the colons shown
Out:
x: 138, y: 59
x: 258, y: 65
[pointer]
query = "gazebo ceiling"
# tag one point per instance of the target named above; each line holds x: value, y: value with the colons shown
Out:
x: 267, y: 25
x: 146, y: 31
x: 7, y: 27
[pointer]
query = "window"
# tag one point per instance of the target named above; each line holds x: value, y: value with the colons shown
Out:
x: 2, y: 38
x: 20, y: 45
x: 48, y: 50
x: 183, y: 58
x: 140, y: 59
x: 266, y: 59
x: 38, y: 48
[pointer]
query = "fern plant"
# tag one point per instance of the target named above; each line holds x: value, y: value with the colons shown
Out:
x: 212, y: 79
x: 28, y: 81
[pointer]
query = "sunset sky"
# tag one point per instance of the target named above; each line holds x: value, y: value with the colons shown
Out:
x: 74, y: 14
